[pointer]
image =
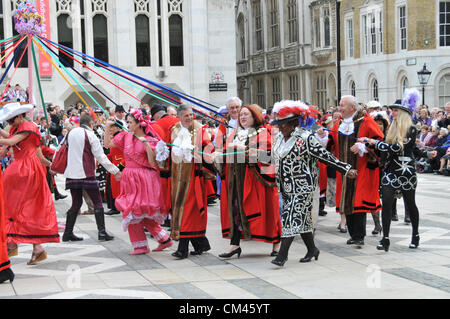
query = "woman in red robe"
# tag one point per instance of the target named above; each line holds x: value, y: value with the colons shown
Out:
x: 30, y: 212
x: 249, y: 199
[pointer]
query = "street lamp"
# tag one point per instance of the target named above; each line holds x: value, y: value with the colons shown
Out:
x: 424, y: 76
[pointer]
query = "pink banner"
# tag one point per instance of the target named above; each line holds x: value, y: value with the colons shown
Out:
x: 45, y: 67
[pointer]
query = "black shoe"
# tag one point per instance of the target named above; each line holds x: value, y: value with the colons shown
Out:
x: 5, y: 275
x: 58, y: 196
x: 309, y: 257
x: 237, y: 251
x: 350, y: 241
x: 180, y: 255
x: 104, y: 236
x: 279, y: 263
x: 342, y: 229
x: 274, y: 253
x: 395, y: 217
x: 71, y: 237
x: 112, y: 212
x: 323, y: 213
x: 384, y: 244
x: 407, y: 220
x: 377, y: 230
x: 414, y: 242
x: 355, y: 242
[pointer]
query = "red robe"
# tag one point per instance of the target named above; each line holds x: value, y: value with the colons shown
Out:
x: 166, y: 123
x: 189, y: 193
x: 116, y: 157
x: 366, y: 198
x: 260, y: 201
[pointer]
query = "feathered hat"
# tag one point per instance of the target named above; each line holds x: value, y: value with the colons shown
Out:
x: 411, y: 98
x: 295, y: 110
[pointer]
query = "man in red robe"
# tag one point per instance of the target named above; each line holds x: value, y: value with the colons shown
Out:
x: 189, y: 172
x: 166, y: 122
x: 356, y: 198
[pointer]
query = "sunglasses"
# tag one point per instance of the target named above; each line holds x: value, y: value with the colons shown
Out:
x: 11, y: 121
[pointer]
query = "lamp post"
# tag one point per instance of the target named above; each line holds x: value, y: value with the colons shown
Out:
x: 424, y: 76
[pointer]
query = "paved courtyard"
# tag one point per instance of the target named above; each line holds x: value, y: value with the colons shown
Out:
x: 90, y: 269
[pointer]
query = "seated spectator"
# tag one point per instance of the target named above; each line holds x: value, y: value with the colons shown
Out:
x: 424, y: 136
x: 442, y: 144
x: 444, y: 169
x: 424, y: 117
x: 445, y: 121
x: 433, y: 139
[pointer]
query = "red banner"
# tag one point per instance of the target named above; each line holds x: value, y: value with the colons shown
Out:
x: 45, y: 67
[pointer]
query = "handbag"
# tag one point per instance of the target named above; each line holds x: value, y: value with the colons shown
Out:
x: 59, y: 163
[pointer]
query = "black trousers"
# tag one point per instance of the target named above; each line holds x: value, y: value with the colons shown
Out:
x: 356, y: 225
x: 409, y: 198
x: 199, y: 244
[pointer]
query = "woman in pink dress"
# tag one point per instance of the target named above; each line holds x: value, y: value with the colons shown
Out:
x: 29, y: 210
x: 141, y: 200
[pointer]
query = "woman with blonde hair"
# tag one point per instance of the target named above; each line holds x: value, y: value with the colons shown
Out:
x: 399, y: 176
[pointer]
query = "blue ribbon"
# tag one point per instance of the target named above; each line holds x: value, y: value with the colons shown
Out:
x: 84, y: 78
x: 11, y: 63
x: 167, y: 89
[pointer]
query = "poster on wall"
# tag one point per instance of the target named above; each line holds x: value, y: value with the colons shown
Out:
x: 45, y: 67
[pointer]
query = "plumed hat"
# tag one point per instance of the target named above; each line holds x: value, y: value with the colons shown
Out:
x: 411, y: 98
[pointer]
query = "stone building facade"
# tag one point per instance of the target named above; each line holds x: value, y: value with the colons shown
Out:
x: 385, y: 43
x: 178, y: 43
x: 280, y: 56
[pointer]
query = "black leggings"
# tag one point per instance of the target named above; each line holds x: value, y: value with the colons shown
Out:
x: 77, y: 198
x: 410, y: 204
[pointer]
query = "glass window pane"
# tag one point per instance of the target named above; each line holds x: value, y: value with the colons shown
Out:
x: 176, y: 40
x: 65, y: 37
x: 100, y: 29
x: 142, y: 40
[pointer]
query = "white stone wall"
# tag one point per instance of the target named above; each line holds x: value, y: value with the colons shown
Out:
x: 209, y: 46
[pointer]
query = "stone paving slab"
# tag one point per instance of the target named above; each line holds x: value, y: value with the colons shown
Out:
x: 105, y: 270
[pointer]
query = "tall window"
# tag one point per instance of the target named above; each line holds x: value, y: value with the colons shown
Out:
x: 292, y: 21
x: 380, y: 30
x: 444, y: 23
x: 176, y: 33
x: 321, y: 90
x: 258, y: 25
x: 402, y: 27
x: 350, y: 38
x: 374, y: 89
x: 160, y: 46
x: 65, y: 37
x: 293, y: 87
x: 444, y: 90
x: 317, y: 32
x: 405, y: 85
x: 100, y: 30
x: 276, y: 90
x: 83, y: 29
x: 373, y: 34
x: 241, y: 31
x: 352, y: 88
x: 365, y: 34
x: 274, y: 24
x: 260, y: 94
x: 142, y: 40
x: 326, y: 27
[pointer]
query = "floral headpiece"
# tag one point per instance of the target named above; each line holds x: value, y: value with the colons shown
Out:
x: 289, y: 110
x: 144, y: 120
x: 27, y: 19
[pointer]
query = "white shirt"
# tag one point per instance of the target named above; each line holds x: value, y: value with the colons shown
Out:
x: 77, y: 154
x: 347, y: 127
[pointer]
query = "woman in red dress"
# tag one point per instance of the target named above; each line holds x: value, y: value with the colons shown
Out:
x: 30, y: 212
x: 249, y: 196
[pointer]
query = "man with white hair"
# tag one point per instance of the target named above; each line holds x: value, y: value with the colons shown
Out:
x: 233, y: 106
x: 355, y: 198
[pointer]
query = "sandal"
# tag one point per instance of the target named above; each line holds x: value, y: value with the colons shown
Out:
x: 35, y: 258
x: 13, y: 252
x: 87, y: 212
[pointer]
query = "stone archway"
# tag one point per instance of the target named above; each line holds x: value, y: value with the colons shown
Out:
x: 73, y: 99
